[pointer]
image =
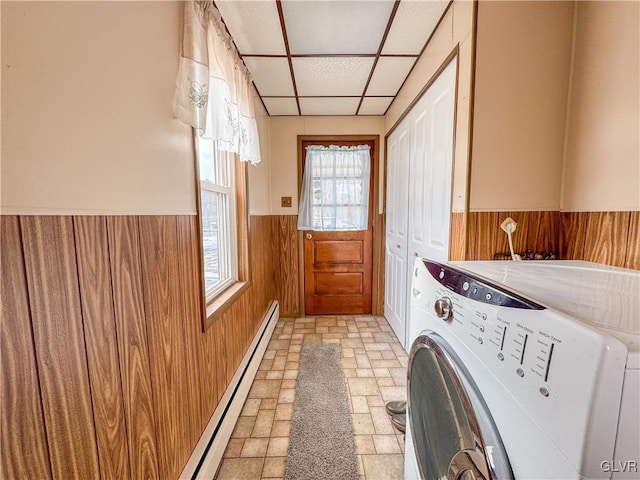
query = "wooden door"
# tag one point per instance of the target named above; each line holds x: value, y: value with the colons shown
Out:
x: 338, y: 264
x: 396, y: 228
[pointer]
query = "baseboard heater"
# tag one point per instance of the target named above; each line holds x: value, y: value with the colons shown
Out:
x: 207, y: 455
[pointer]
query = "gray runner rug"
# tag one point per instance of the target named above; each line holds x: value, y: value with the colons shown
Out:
x: 321, y: 444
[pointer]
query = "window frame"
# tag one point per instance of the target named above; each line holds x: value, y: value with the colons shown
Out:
x: 215, y: 302
x: 230, y: 243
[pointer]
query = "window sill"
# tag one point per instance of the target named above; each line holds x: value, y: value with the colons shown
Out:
x: 220, y: 304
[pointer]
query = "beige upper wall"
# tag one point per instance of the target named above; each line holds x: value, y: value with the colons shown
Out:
x: 602, y: 163
x: 522, y: 81
x: 454, y: 29
x: 259, y: 189
x: 87, y: 121
x: 283, y: 149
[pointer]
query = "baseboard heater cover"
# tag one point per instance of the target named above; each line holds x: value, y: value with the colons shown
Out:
x: 207, y: 455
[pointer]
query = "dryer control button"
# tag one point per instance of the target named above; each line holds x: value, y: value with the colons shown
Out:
x: 500, y: 356
x: 441, y: 275
x: 520, y: 372
x: 544, y: 391
x: 480, y: 341
x: 465, y: 286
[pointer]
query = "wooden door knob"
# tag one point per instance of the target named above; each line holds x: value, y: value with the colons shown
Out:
x: 309, y: 236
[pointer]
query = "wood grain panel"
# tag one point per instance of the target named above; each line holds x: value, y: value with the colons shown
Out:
x: 100, y: 337
x: 190, y: 291
x: 264, y: 263
x: 161, y: 287
x: 537, y: 232
x: 611, y: 238
x: 548, y: 236
x: 487, y: 226
x: 50, y: 261
x: 377, y: 288
x: 24, y: 444
x: 632, y: 257
x: 329, y: 251
x: 606, y: 237
x: 472, y: 236
x: 133, y: 352
x: 287, y: 274
x: 339, y: 283
x: 171, y: 374
x: 573, y: 231
x: 457, y: 237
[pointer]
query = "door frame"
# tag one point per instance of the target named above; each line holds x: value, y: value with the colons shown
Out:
x: 377, y: 224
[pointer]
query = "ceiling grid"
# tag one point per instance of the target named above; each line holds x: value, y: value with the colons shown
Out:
x: 324, y: 57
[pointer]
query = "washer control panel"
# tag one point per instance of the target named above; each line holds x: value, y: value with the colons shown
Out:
x: 476, y: 289
x: 491, y: 319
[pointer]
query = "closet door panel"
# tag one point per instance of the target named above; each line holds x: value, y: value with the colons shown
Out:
x: 419, y: 174
x: 441, y: 106
x: 431, y: 169
x: 396, y: 232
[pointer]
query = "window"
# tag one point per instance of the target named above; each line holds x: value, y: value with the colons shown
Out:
x: 222, y: 212
x: 335, y: 188
x: 217, y: 217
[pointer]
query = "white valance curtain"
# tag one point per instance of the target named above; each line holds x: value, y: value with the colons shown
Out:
x: 214, y: 87
x: 335, y: 188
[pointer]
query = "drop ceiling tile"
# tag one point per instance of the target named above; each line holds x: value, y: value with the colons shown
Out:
x: 332, y: 27
x: 271, y: 75
x: 331, y: 75
x: 254, y: 26
x: 329, y: 106
x: 412, y: 25
x: 281, y: 106
x: 389, y: 74
x: 374, y: 105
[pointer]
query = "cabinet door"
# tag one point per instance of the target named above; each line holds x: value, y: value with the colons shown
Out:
x: 395, y: 307
x: 431, y: 169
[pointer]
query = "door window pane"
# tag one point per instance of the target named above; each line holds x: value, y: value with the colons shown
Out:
x: 335, y: 189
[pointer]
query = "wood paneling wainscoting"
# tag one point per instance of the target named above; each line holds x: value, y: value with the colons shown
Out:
x: 611, y: 238
x: 285, y: 228
x: 536, y: 231
x: 106, y: 372
x: 457, y: 237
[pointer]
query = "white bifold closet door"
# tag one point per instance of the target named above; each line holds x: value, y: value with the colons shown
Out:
x: 419, y: 179
x: 396, y: 230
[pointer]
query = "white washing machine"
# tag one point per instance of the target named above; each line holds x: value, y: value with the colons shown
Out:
x: 526, y: 370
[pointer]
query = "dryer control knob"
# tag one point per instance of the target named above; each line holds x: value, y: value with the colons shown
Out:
x: 443, y: 308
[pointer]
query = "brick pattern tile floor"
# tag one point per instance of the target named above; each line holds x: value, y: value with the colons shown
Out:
x: 374, y: 365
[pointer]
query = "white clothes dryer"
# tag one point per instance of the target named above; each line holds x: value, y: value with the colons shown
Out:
x: 527, y: 370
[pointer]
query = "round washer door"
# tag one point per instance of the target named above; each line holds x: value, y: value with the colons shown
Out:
x: 453, y: 433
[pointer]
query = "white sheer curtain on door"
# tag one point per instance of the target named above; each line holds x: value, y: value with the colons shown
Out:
x: 335, y: 188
